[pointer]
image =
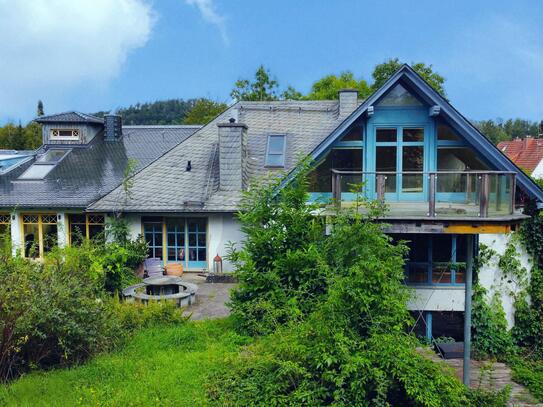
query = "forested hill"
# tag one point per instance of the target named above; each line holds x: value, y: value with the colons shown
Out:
x: 171, y: 111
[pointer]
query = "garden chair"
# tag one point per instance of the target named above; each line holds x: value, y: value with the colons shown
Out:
x: 153, y: 267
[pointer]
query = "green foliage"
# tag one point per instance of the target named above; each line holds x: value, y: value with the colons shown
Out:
x: 163, y: 365
x: 486, y: 398
x: 171, y: 111
x: 335, y: 318
x: 500, y: 130
x: 327, y: 88
x: 203, y: 111
x: 490, y: 336
x: 18, y: 137
x: 530, y: 374
x: 264, y: 87
x: 385, y: 70
x: 39, y: 109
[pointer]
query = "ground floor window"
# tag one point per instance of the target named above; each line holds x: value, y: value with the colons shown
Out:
x: 439, y: 325
x: 177, y: 240
x: 40, y: 234
x: 435, y: 259
x: 5, y: 229
x: 85, y: 226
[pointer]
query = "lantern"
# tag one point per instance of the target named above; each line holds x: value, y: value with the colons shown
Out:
x: 217, y: 264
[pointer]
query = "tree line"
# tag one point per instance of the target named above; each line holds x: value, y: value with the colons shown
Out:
x: 266, y: 87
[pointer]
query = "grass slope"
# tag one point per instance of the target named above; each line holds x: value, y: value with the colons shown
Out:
x: 163, y: 366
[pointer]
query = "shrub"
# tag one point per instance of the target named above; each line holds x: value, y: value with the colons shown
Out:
x: 529, y: 373
x: 132, y: 316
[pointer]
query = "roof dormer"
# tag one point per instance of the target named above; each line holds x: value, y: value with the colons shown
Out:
x: 70, y: 128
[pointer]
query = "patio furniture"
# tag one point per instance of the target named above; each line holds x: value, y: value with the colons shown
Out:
x: 174, y: 269
x: 153, y: 267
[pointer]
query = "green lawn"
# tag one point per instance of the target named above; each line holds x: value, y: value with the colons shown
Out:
x: 163, y: 366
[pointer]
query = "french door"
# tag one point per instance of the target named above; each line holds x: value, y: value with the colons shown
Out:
x: 400, y: 158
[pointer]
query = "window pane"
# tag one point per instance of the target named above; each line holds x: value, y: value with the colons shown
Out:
x: 399, y: 96
x: 276, y: 145
x: 461, y: 248
x: 320, y: 179
x: 77, y: 234
x: 412, y: 160
x: 441, y: 274
x: 418, y: 273
x: 202, y: 254
x: 96, y: 232
x: 37, y: 171
x: 444, y: 132
x: 386, y: 135
x: 31, y: 238
x: 50, y: 237
x: 77, y: 219
x: 441, y: 248
x: 354, y: 134
x: 413, y: 134
x: 51, y: 156
x: 418, y: 248
x: 192, y: 239
x: 171, y: 239
x: 458, y: 159
x: 193, y: 254
x: 201, y: 239
x: 275, y: 160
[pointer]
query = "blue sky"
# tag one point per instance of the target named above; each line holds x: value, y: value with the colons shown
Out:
x: 94, y: 55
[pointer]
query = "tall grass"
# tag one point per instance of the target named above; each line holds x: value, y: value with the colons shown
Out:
x: 162, y: 365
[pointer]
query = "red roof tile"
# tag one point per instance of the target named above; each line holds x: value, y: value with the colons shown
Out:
x: 525, y: 153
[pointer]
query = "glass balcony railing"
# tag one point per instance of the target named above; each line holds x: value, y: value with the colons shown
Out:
x: 437, y: 194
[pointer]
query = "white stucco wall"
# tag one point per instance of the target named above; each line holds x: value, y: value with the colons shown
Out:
x: 222, y: 228
x: 490, y: 276
x: 437, y: 299
x: 538, y: 171
x: 16, y: 232
x: 62, y: 229
x: 134, y: 225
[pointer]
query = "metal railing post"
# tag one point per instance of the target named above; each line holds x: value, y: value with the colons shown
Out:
x: 483, y: 196
x: 432, y: 195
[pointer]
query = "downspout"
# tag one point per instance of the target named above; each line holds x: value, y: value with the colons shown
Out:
x: 467, y: 310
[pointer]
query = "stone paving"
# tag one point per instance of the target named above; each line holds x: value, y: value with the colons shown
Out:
x: 491, y: 376
x: 211, y: 298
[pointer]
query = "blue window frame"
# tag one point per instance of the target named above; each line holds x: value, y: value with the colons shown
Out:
x: 275, y: 152
x: 177, y: 240
x: 435, y: 259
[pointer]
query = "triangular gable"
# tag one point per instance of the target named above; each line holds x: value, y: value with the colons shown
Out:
x: 408, y: 77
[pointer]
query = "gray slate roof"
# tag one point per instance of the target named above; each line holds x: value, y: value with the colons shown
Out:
x: 166, y: 186
x: 69, y: 117
x: 89, y: 172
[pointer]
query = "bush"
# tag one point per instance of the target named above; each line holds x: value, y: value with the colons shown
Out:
x: 529, y: 373
x: 50, y: 314
x: 132, y: 316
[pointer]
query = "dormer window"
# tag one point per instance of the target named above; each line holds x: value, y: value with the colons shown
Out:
x: 275, y: 155
x: 64, y: 134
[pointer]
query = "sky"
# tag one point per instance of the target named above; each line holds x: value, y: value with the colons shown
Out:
x: 92, y: 55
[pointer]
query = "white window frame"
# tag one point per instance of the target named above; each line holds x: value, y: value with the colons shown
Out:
x: 76, y: 134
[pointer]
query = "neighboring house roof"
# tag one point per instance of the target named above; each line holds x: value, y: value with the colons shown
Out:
x: 69, y: 117
x: 166, y: 186
x: 89, y: 172
x: 526, y: 153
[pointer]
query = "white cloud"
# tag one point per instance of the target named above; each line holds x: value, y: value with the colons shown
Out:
x: 209, y: 13
x: 52, y: 46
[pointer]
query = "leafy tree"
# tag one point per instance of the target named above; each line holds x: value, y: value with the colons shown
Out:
x: 327, y: 88
x: 264, y: 87
x: 203, y: 111
x: 39, y: 110
x: 385, y: 70
x: 291, y: 94
x: 165, y: 112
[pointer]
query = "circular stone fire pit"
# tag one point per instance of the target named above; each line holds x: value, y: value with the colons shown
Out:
x: 162, y: 288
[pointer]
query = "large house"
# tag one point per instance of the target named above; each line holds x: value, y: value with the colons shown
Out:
x: 446, y: 186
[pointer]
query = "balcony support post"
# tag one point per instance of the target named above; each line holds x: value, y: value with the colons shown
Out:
x: 381, y: 187
x: 467, y: 309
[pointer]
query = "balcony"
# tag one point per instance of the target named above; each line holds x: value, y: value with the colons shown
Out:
x: 452, y: 195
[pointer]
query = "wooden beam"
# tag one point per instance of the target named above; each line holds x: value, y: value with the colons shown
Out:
x: 467, y: 229
x: 434, y: 111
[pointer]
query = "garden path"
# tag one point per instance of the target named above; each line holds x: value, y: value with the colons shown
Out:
x: 211, y: 298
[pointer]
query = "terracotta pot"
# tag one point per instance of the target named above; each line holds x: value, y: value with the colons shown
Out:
x: 174, y: 270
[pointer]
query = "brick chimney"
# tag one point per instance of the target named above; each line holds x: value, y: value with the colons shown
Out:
x: 348, y: 101
x: 232, y: 156
x: 526, y: 142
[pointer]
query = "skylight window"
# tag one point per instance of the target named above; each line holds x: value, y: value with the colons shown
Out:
x: 275, y: 156
x: 37, y: 172
x: 51, y: 156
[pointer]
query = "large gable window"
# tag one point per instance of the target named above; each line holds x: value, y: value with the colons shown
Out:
x: 275, y: 154
x: 64, y: 134
x: 399, y: 96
